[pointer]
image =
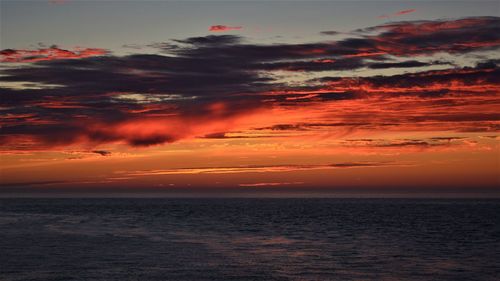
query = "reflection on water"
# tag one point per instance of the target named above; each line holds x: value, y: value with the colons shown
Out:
x: 249, y: 239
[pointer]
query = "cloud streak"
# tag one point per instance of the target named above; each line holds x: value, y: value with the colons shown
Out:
x: 267, y: 184
x: 256, y: 169
x: 400, y: 13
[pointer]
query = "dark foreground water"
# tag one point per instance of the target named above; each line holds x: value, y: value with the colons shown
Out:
x: 249, y: 239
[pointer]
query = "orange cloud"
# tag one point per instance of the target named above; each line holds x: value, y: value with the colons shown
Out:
x: 255, y: 169
x: 47, y: 54
x: 222, y: 28
x: 138, y: 129
x: 146, y: 99
x: 265, y: 184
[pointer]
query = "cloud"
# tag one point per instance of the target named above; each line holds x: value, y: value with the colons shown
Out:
x: 447, y: 143
x: 223, y: 28
x: 135, y: 130
x: 405, y: 12
x: 304, y: 126
x: 434, y: 82
x: 201, y: 86
x: 404, y: 64
x: 255, y: 169
x: 400, y: 13
x: 234, y: 135
x: 330, y: 32
x: 266, y: 184
x: 204, y: 41
x: 102, y: 152
x: 47, y: 54
x: 32, y: 183
x: 430, y: 37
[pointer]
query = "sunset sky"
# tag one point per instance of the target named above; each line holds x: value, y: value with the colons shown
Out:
x: 227, y: 97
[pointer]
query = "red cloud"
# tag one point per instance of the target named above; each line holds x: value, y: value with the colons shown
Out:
x: 400, y: 13
x: 425, y: 27
x: 148, y: 100
x: 405, y: 12
x: 222, y: 28
x: 139, y: 129
x: 52, y: 53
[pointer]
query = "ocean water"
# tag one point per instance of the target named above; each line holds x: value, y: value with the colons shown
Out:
x: 249, y: 239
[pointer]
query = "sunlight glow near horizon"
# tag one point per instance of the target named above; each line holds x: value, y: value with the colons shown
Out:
x: 282, y: 96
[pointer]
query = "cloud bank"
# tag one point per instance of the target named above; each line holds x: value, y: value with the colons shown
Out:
x: 202, y: 86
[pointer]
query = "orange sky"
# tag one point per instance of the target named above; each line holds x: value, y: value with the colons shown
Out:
x: 400, y: 107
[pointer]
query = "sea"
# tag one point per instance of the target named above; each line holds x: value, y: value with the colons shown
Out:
x: 249, y: 239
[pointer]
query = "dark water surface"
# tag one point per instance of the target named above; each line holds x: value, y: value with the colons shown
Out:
x: 249, y: 239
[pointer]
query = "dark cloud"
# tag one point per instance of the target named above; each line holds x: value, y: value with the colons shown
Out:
x: 405, y: 143
x: 483, y: 78
x: 315, y: 65
x: 447, y: 138
x: 82, y: 96
x: 311, y: 126
x: 404, y: 64
x: 216, y: 136
x: 212, y: 40
x: 226, y: 136
x: 410, y: 143
x: 329, y: 32
x: 429, y: 37
x: 102, y: 152
x: 31, y: 183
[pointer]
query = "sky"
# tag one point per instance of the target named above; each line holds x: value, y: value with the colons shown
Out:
x: 208, y: 98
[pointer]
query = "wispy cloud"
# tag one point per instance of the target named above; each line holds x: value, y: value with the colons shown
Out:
x: 267, y: 184
x: 256, y: 169
x: 405, y: 12
x: 400, y: 13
